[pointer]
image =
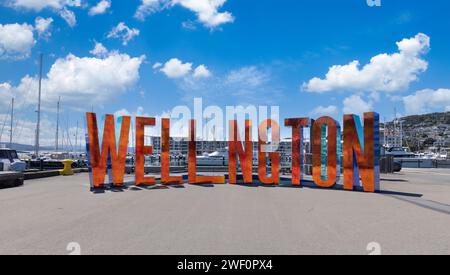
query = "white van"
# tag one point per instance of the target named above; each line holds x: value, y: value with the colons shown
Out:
x: 9, y: 161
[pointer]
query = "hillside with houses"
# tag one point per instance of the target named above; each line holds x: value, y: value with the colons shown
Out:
x: 421, y: 132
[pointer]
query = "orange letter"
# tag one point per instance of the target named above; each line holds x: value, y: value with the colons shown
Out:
x: 297, y: 125
x: 192, y: 161
x: 274, y: 156
x: 165, y: 155
x: 142, y: 151
x: 362, y: 152
x: 99, y: 159
x: 319, y: 131
x: 245, y: 157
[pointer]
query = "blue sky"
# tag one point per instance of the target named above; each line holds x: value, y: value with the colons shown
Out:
x: 262, y: 52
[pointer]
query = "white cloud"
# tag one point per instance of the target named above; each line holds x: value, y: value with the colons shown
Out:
x: 175, y: 68
x: 5, y: 87
x: 6, y: 95
x: 207, y: 11
x: 16, y: 41
x: 82, y: 80
x: 100, y: 8
x: 149, y: 7
x: 428, y: 100
x: 140, y: 112
x: 99, y: 50
x: 250, y: 76
x: 189, y: 25
x: 60, y: 6
x: 178, y: 129
x: 356, y: 105
x: 39, y: 5
x: 24, y: 130
x: 157, y: 65
x: 202, y: 72
x: 42, y: 26
x: 68, y: 16
x: 325, y: 111
x: 384, y: 73
x: 242, y: 86
x: 123, y: 32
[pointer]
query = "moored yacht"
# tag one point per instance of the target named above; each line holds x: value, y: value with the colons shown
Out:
x: 9, y: 161
x: 218, y: 158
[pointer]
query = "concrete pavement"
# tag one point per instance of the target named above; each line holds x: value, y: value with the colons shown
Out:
x: 45, y: 215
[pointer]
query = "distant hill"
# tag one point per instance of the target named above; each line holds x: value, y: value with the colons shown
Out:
x: 427, y: 120
x: 24, y: 147
x: 425, y: 131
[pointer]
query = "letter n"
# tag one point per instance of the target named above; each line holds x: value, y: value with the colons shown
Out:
x: 99, y: 159
x: 245, y: 156
x: 362, y: 152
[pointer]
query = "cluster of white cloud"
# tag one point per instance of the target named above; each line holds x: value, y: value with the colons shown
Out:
x: 325, y: 111
x: 250, y: 76
x: 175, y: 68
x: 42, y: 26
x: 207, y: 11
x: 24, y: 130
x: 16, y: 41
x: 201, y: 72
x: 427, y: 101
x: 388, y: 73
x: 246, y: 85
x: 68, y: 16
x: 60, y: 6
x: 101, y: 8
x: 5, y: 95
x: 355, y: 104
x: 80, y: 79
x: 39, y: 5
x: 178, y: 126
x: 99, y: 50
x: 385, y: 72
x: 122, y: 31
x: 149, y: 7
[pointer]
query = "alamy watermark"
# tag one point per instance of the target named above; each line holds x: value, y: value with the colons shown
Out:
x: 213, y: 123
x: 374, y: 249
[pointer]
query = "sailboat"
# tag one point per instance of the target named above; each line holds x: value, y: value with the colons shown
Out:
x: 9, y: 159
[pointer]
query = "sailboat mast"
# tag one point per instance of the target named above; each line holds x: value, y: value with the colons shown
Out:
x: 12, y: 121
x: 41, y: 57
x: 57, y: 125
x: 76, y: 138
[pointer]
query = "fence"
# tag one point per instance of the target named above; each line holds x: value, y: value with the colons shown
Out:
x: 424, y: 163
x: 387, y: 165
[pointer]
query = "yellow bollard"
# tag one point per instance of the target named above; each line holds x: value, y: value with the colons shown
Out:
x: 67, y: 171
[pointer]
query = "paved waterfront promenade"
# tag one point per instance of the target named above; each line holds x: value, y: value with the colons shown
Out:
x: 411, y: 215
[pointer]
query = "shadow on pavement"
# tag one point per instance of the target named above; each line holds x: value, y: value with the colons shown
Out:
x: 283, y: 184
